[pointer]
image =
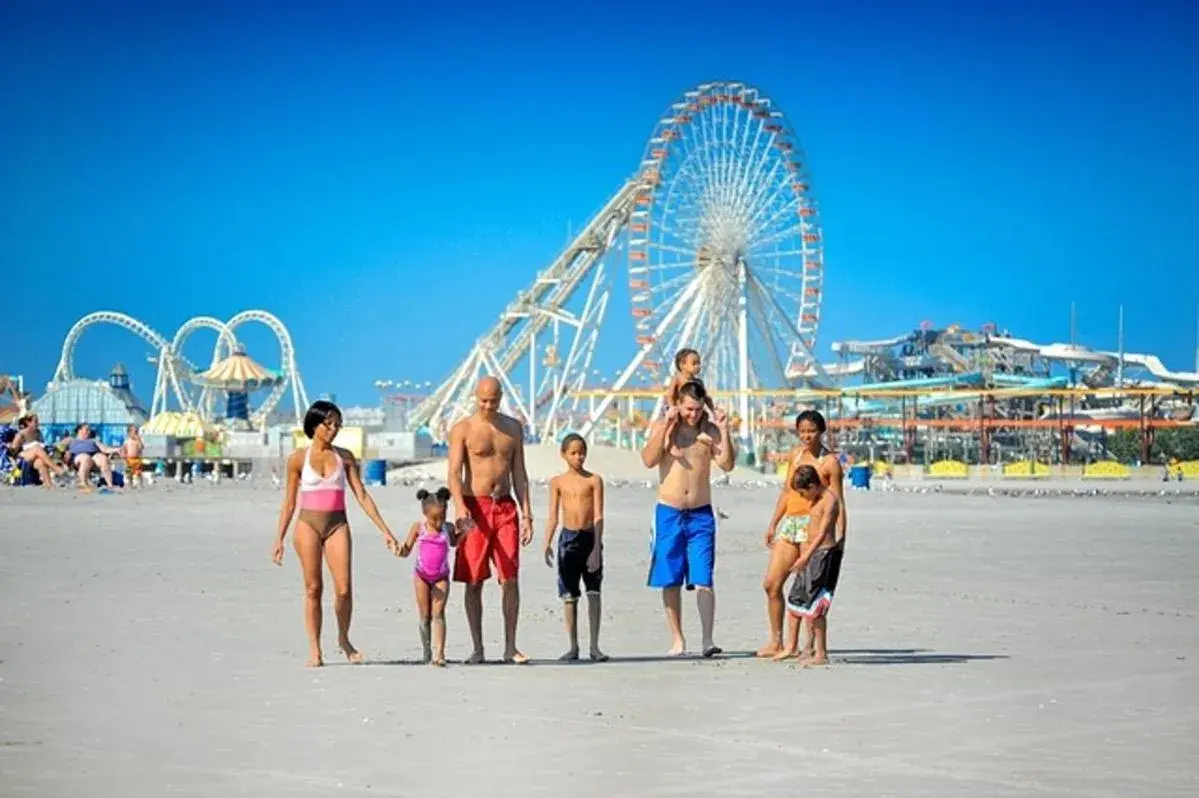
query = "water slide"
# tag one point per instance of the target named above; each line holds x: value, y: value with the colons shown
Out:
x: 1078, y: 355
x: 954, y: 395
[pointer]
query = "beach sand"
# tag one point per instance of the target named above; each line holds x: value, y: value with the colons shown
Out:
x: 985, y: 646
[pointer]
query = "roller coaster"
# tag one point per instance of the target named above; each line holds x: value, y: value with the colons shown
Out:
x: 177, y: 378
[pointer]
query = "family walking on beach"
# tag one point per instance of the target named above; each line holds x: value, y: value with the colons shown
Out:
x: 488, y: 488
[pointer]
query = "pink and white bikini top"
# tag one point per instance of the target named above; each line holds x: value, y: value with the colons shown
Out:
x: 324, y: 494
x: 433, y: 551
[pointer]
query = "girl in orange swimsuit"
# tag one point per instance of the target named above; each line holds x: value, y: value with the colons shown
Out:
x: 318, y: 476
x: 788, y: 527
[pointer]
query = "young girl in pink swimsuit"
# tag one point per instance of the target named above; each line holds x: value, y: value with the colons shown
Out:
x: 432, y: 540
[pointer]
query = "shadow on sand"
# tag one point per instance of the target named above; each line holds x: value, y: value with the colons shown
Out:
x: 904, y: 656
x: 848, y: 656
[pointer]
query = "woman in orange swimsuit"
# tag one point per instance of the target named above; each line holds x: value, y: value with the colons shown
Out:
x: 318, y: 476
x: 788, y: 527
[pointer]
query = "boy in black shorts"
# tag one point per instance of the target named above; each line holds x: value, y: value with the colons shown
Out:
x: 580, y: 495
x: 819, y: 565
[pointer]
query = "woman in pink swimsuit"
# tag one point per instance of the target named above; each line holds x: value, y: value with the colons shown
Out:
x: 318, y: 476
x: 432, y: 540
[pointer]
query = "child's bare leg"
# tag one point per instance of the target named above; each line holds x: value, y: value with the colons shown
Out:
x: 593, y: 619
x: 439, y: 594
x: 819, y: 642
x: 674, y: 449
x: 672, y: 602
x: 570, y: 612
x: 425, y: 614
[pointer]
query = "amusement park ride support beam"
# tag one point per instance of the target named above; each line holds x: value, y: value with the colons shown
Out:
x: 743, y: 351
x: 792, y: 328
x: 532, y: 397
x: 590, y: 307
x: 685, y: 297
x: 757, y: 307
x: 509, y: 388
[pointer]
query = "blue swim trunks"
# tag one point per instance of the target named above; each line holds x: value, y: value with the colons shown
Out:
x: 682, y: 547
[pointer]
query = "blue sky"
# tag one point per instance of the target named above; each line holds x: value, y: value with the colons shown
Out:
x: 352, y: 169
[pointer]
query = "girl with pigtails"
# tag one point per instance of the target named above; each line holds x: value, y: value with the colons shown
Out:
x: 432, y: 540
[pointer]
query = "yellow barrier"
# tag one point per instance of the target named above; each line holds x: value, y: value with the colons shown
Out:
x: 1026, y: 469
x: 1187, y: 470
x: 1106, y: 469
x: 949, y: 469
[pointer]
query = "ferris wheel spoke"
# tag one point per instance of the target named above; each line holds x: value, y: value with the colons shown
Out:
x: 769, y: 202
x: 781, y: 234
x: 751, y: 166
x: 701, y: 153
x: 744, y: 165
x: 758, y: 176
x: 766, y: 330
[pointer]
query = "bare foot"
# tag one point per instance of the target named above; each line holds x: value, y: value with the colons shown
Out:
x: 475, y: 658
x: 804, y: 656
x: 438, y: 663
x: 816, y: 661
x: 678, y: 649
x: 570, y: 656
x: 784, y: 654
x: 353, y: 656
x: 514, y: 657
x: 315, y: 660
x: 598, y: 656
x: 769, y: 650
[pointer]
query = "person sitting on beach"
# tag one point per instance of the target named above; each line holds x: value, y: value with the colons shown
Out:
x: 28, y: 445
x: 432, y: 540
x: 579, y: 495
x: 683, y: 544
x: 318, y: 476
x: 686, y: 369
x: 487, y: 465
x: 819, y: 565
x: 84, y: 452
x: 131, y: 452
x: 789, y: 524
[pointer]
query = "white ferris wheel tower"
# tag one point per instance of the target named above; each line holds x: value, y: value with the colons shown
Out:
x: 718, y: 235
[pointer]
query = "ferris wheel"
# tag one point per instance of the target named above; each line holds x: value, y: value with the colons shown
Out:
x: 725, y: 247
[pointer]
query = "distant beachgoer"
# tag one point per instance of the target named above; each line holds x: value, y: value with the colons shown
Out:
x: 84, y: 452
x: 318, y: 476
x: 29, y: 446
x: 432, y: 540
x: 789, y: 527
x: 131, y: 452
x: 487, y: 465
x: 579, y: 495
x: 819, y: 565
x: 687, y: 366
x: 683, y: 542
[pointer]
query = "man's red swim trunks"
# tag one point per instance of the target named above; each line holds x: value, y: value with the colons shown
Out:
x: 496, y: 536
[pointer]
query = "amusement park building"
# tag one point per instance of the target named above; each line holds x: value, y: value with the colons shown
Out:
x: 109, y: 406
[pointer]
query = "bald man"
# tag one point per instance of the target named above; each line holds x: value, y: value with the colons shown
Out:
x: 487, y: 465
